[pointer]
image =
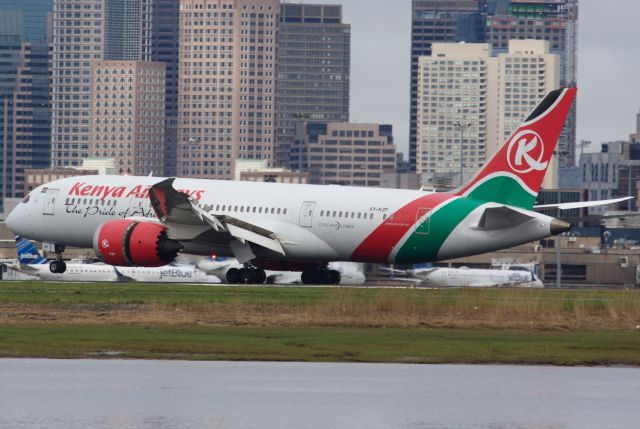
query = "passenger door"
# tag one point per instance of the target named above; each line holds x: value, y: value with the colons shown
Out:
x: 306, y: 213
x: 50, y: 201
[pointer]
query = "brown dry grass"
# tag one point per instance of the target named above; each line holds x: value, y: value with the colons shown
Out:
x: 497, y: 309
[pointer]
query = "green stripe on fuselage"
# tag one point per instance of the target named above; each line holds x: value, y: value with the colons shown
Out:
x: 424, y: 246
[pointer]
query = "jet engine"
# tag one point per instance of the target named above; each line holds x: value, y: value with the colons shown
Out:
x: 127, y: 242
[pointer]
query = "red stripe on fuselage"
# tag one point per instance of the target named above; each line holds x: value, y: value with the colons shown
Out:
x: 378, y: 245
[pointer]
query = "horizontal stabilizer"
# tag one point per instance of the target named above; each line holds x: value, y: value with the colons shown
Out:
x: 582, y: 204
x: 502, y: 217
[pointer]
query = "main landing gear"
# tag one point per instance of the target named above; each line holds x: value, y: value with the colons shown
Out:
x: 247, y: 275
x: 58, y: 266
x: 321, y: 276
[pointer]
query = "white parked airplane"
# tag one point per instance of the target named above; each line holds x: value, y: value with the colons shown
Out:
x: 32, y: 263
x: 351, y: 273
x: 471, y: 277
x: 147, y: 221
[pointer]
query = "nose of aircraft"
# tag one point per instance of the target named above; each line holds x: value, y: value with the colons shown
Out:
x: 15, y: 219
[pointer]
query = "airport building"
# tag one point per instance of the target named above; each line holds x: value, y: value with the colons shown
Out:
x: 127, y: 113
x: 345, y: 153
x: 227, y: 85
x: 314, y: 51
x: 470, y: 102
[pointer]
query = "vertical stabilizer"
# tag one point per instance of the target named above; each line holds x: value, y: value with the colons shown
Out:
x: 515, y: 173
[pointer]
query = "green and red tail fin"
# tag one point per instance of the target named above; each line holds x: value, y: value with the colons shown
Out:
x: 514, y: 174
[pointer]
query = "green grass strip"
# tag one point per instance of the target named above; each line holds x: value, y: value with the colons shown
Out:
x: 324, y: 344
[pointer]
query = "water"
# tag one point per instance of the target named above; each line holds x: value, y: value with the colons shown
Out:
x: 57, y: 394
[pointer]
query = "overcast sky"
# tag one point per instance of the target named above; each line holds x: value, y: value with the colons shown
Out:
x: 608, y: 66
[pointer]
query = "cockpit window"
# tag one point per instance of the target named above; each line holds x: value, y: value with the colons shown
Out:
x: 26, y: 199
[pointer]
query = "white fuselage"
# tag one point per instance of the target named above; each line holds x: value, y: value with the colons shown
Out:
x: 471, y: 277
x: 106, y: 273
x: 312, y: 223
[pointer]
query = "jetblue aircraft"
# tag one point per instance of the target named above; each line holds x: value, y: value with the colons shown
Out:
x: 147, y: 221
x: 31, y: 262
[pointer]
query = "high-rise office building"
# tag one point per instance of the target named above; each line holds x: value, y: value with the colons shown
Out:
x: 496, y: 22
x: 24, y: 98
x: 86, y: 31
x: 227, y: 84
x: 313, y: 70
x: 165, y: 48
x: 470, y: 102
x: 345, y: 153
x: 439, y: 21
x: 35, y: 18
x: 554, y: 21
x: 127, y: 115
x: 455, y: 92
x: 128, y: 29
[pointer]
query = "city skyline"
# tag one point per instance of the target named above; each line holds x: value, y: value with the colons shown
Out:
x: 381, y: 43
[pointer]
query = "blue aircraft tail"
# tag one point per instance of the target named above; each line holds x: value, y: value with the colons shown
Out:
x: 27, y: 252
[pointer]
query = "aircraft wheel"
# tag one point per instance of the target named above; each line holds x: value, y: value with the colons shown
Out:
x: 63, y: 267
x: 322, y: 277
x: 233, y: 276
x: 247, y: 276
x: 54, y: 266
x: 261, y: 276
x: 334, y: 277
x: 307, y: 277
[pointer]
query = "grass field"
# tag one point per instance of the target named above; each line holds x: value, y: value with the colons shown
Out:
x: 65, y: 320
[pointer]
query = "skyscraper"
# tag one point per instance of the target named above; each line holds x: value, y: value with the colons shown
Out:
x: 87, y: 31
x: 227, y: 84
x: 314, y: 50
x: 127, y: 115
x: 78, y: 39
x: 554, y: 21
x: 439, y: 21
x: 24, y: 94
x: 165, y: 47
x: 469, y: 102
x: 34, y: 17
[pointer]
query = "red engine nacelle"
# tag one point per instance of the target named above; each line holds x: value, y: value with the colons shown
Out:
x: 127, y: 243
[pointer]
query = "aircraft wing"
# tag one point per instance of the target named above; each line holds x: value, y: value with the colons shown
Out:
x: 185, y: 219
x: 123, y: 277
x: 581, y: 204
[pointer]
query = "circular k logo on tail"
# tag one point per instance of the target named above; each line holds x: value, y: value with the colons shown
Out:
x: 526, y: 152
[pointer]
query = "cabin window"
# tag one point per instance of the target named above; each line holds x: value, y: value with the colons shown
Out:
x: 259, y: 209
x: 235, y: 208
x: 254, y: 209
x: 278, y: 211
x: 384, y: 216
x: 321, y: 212
x: 273, y: 210
x: 359, y: 215
x: 217, y: 207
x: 284, y: 211
x: 353, y: 215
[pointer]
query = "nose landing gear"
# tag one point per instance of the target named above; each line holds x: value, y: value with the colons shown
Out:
x: 58, y: 266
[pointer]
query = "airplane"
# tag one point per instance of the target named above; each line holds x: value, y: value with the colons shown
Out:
x: 351, y: 273
x: 470, y: 277
x: 31, y: 262
x: 147, y: 221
